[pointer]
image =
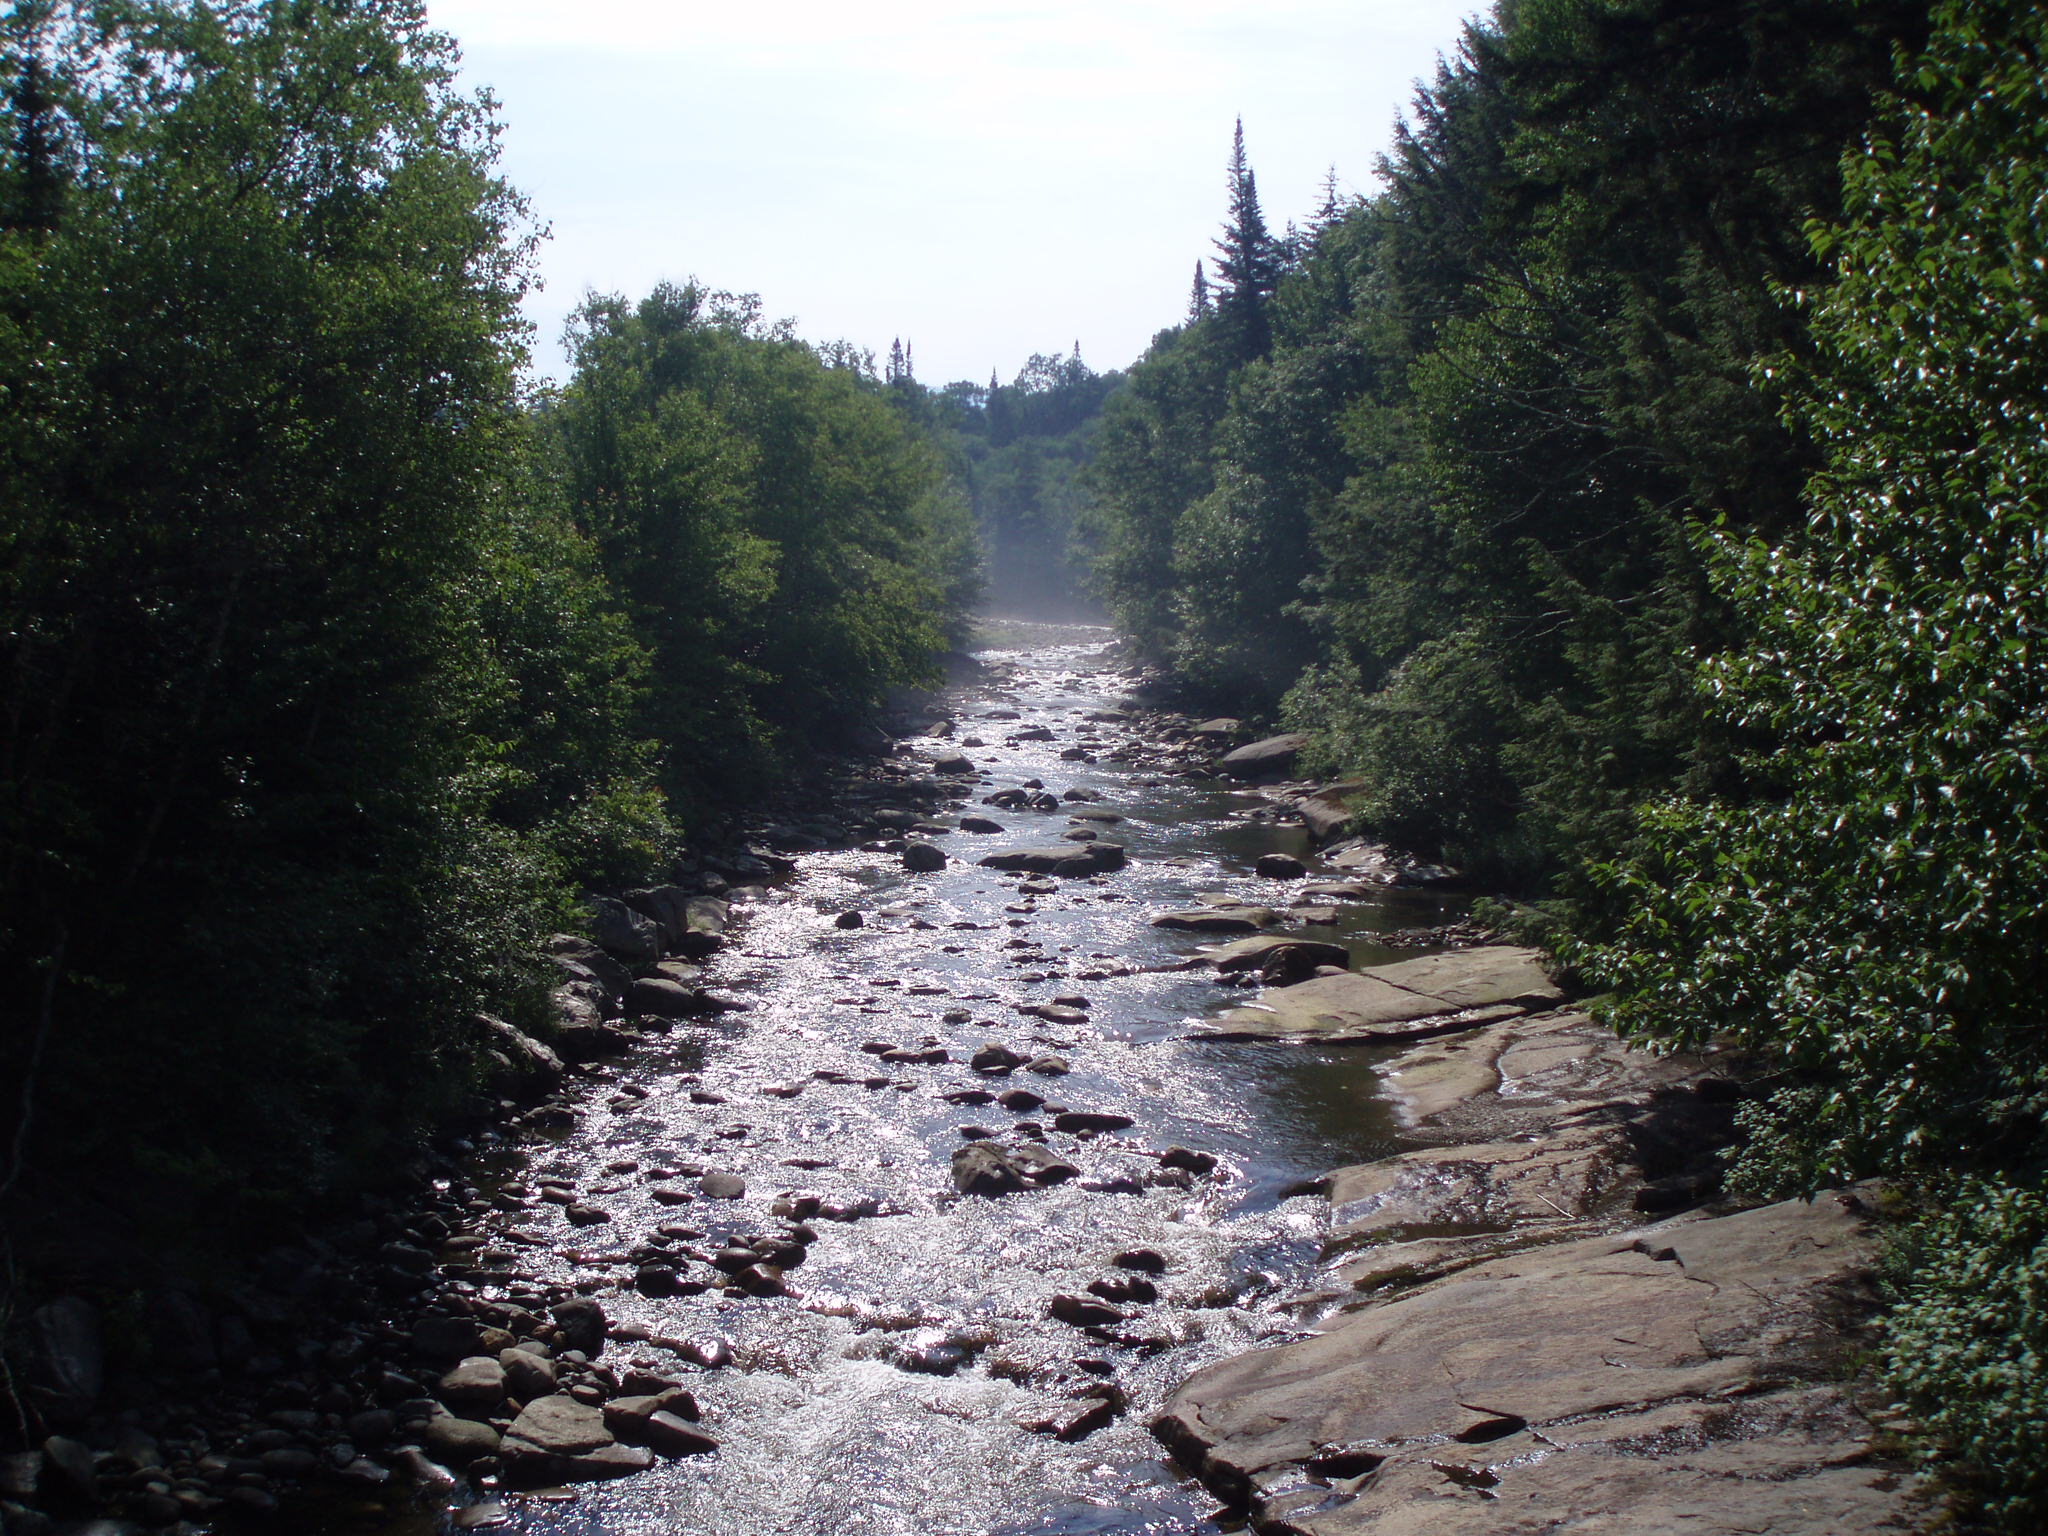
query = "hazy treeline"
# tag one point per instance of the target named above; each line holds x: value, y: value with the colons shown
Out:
x: 1641, y: 498
x: 1020, y: 452
x: 335, y: 670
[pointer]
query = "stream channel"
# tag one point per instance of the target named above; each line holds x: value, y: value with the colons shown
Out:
x: 834, y: 1417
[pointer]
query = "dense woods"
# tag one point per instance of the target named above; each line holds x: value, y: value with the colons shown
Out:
x: 1638, y: 498
x: 336, y: 668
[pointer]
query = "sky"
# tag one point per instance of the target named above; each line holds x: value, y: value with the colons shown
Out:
x: 980, y: 179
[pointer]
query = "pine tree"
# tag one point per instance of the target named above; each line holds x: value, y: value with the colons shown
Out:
x: 1198, y: 296
x: 1248, y: 262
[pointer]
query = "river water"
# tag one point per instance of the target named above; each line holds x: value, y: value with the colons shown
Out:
x: 832, y: 1419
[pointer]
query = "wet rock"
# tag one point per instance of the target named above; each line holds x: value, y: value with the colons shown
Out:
x: 954, y: 764
x: 849, y: 920
x: 1048, y: 1066
x: 982, y: 1169
x: 1020, y: 1100
x: 657, y: 1280
x: 996, y: 1058
x: 1252, y: 954
x: 1096, y: 858
x: 1146, y: 1261
x: 66, y: 1359
x: 1124, y: 1288
x: 558, y: 1426
x: 1086, y: 1312
x: 970, y: 1096
x: 1088, y: 1122
x: 662, y: 999
x: 924, y: 858
x: 478, y: 1382
x: 1280, y: 866
x: 1184, y: 1157
x: 722, y: 1186
x: 456, y: 1442
x: 481, y: 1517
x: 1095, y: 1408
x: 1219, y: 919
x: 1272, y: 758
x: 586, y: 1216
x: 979, y: 824
x: 583, y: 1325
x: 1042, y: 1167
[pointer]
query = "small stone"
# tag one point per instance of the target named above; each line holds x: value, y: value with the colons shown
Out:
x: 586, y: 1216
x: 1146, y: 1261
x: 849, y: 920
x: 1088, y: 1122
x: 1048, y: 1066
x: 722, y: 1186
x: 996, y: 1058
x: 1020, y: 1100
x: 456, y: 1442
x: 1192, y: 1161
x: 670, y: 1435
x: 481, y: 1517
x: 1083, y: 1312
x: 527, y: 1375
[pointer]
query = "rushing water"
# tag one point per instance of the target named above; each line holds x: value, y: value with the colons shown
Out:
x: 831, y: 1421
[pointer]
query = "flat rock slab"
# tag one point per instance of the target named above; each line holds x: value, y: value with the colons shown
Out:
x: 1219, y: 919
x: 1410, y: 1000
x: 1273, y: 758
x: 1570, y: 1175
x: 1670, y: 1378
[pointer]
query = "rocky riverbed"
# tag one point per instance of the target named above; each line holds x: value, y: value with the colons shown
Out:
x: 959, y: 1160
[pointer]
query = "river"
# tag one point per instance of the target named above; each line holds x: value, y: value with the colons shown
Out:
x: 890, y: 1392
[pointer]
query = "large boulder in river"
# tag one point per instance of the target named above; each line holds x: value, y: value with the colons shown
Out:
x: 1273, y: 758
x: 923, y: 858
x: 1096, y: 858
x: 705, y: 919
x: 579, y: 959
x: 667, y: 905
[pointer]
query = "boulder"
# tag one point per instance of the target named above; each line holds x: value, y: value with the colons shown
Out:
x: 1254, y: 954
x: 456, y: 1442
x: 583, y: 1325
x: 1328, y: 812
x: 1273, y: 758
x: 1280, y: 866
x: 523, y: 1068
x: 980, y: 1168
x: 579, y: 959
x: 667, y: 905
x: 476, y: 1383
x: 621, y: 932
x: 1077, y: 861
x: 923, y: 858
x: 664, y: 999
x: 1585, y: 1385
x: 1219, y: 919
x: 67, y: 1360
x: 559, y: 1426
x: 979, y: 824
x: 527, y: 1375
x: 953, y: 764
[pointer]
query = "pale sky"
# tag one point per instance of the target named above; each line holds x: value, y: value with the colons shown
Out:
x: 985, y: 180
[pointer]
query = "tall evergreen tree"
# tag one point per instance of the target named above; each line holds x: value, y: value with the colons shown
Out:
x: 1198, y: 295
x: 1247, y: 261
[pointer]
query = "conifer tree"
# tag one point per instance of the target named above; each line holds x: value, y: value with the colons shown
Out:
x: 1248, y: 262
x: 1198, y: 296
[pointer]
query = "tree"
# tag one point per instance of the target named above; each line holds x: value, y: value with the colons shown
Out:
x: 1247, y: 262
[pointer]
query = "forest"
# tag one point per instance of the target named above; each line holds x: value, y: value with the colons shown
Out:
x: 1638, y: 499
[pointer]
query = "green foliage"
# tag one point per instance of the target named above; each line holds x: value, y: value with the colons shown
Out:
x: 1878, y: 922
x: 1965, y: 1341
x: 780, y: 534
